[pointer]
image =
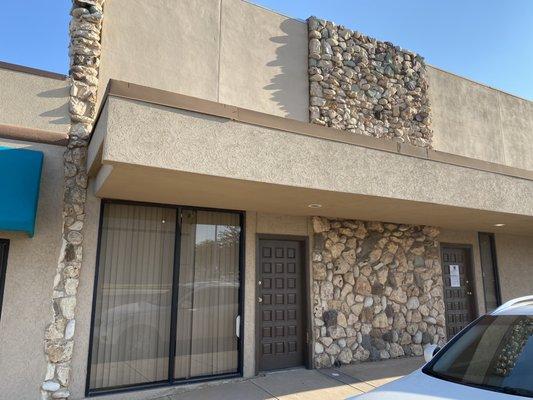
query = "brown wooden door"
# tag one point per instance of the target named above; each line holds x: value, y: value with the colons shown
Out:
x: 458, y: 288
x: 280, y: 304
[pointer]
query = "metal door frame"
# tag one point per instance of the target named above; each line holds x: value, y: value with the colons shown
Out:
x: 3, y: 269
x: 171, y: 381
x: 495, y: 269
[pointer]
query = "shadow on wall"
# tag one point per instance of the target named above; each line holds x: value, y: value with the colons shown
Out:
x: 60, y: 113
x: 290, y: 87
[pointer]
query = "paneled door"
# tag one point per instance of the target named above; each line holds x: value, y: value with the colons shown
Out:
x: 280, y: 304
x: 458, y: 288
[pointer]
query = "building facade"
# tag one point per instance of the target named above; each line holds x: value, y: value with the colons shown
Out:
x: 218, y: 190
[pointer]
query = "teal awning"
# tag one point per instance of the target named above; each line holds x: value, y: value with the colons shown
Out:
x: 20, y: 176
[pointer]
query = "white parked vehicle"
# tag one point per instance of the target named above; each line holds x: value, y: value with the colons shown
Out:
x: 491, y: 359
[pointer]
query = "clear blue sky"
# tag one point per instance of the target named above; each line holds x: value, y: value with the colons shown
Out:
x: 489, y: 41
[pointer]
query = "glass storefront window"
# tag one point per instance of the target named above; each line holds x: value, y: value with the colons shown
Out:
x: 150, y: 258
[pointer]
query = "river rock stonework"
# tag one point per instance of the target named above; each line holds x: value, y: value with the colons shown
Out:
x: 377, y: 291
x: 365, y: 86
x: 85, y: 30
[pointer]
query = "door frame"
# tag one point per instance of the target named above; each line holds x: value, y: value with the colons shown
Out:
x: 308, y: 348
x: 473, y: 275
x: 495, y: 268
x: 3, y: 272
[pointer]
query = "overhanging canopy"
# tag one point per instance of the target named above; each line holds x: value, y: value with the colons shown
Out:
x: 214, y: 155
x: 20, y: 176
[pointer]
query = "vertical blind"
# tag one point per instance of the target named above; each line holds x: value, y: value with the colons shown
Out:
x: 134, y: 293
x: 133, y: 308
x: 208, y: 294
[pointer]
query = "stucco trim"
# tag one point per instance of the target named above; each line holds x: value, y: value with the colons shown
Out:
x: 33, y: 135
x: 160, y: 97
x: 33, y: 71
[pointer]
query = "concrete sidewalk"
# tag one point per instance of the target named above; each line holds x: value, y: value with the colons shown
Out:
x: 302, y: 384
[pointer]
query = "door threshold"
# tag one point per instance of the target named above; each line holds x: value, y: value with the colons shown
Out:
x: 281, y: 370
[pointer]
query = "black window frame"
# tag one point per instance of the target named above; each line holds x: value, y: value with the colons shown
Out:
x: 495, y: 270
x: 4, y: 243
x: 171, y: 381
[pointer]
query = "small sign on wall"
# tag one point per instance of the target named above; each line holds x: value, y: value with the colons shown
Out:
x: 455, y: 280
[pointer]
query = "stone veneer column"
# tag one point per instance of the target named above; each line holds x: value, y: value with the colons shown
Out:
x: 365, y: 86
x: 85, y: 30
x: 377, y: 290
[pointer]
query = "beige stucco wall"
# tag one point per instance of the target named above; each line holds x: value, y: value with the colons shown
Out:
x: 238, y: 53
x: 469, y: 238
x: 223, y: 50
x: 515, y: 265
x: 33, y: 101
x: 263, y: 61
x: 31, y: 267
x: 477, y: 121
x: 241, y: 54
x: 163, y: 43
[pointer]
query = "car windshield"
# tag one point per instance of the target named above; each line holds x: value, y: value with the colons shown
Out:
x: 496, y: 354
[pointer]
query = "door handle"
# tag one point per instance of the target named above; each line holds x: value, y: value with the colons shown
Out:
x: 259, y: 299
x: 238, y: 326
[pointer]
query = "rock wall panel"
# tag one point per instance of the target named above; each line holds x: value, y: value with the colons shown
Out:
x: 377, y: 291
x: 365, y: 86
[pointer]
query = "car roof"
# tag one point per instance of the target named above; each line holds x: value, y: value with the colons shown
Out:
x: 518, y: 306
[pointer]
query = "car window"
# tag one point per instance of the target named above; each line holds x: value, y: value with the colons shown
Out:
x: 496, y: 353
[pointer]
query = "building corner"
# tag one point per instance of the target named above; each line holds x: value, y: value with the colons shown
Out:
x: 84, y: 52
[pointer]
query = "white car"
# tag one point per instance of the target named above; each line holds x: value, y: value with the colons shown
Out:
x: 491, y: 359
